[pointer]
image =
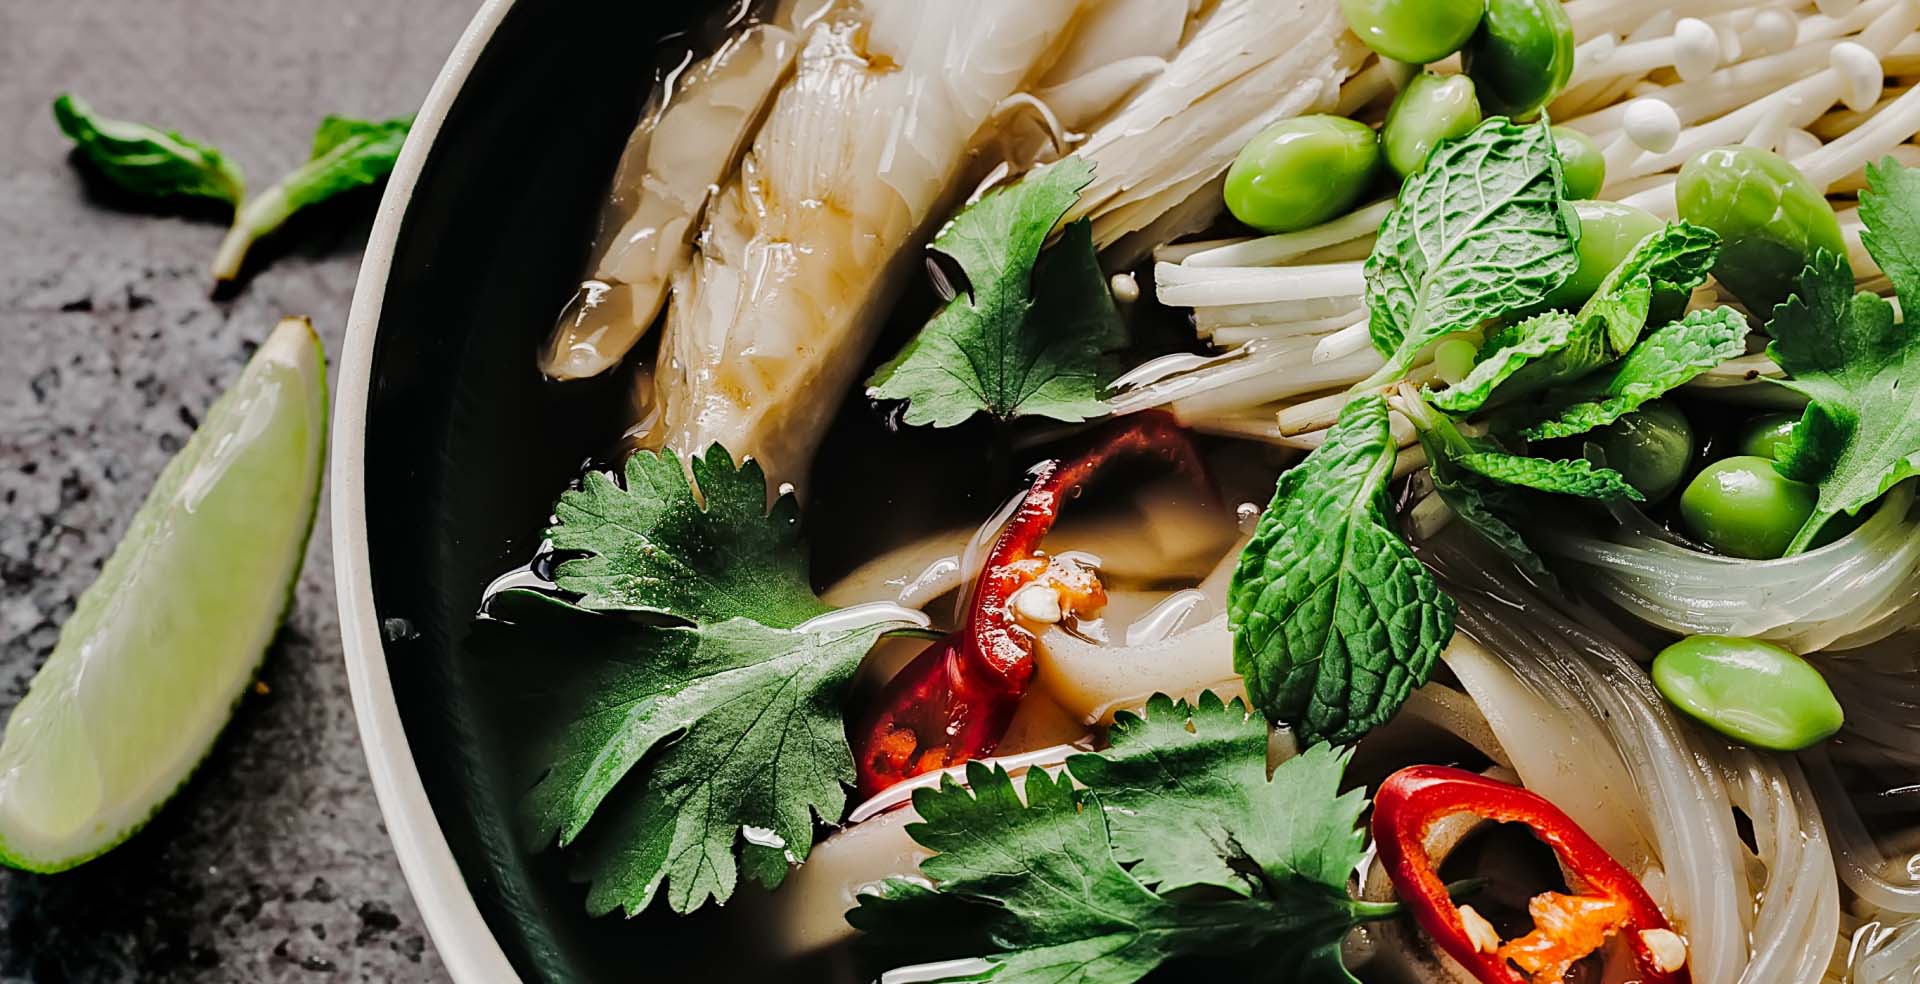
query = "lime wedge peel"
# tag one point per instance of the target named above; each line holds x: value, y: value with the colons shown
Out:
x: 165, y: 642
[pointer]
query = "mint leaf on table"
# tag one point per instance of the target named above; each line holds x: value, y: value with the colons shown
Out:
x: 1577, y: 477
x: 1480, y: 233
x: 1029, y: 335
x: 147, y: 160
x: 1060, y: 887
x: 347, y: 154
x: 1858, y: 367
x: 1663, y: 361
x: 722, y: 725
x: 1334, y: 620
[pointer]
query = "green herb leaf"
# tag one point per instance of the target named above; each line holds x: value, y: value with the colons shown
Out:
x: 1480, y: 233
x: 1675, y: 260
x: 347, y: 154
x: 1041, y: 890
x: 1030, y: 335
x: 146, y: 160
x: 1334, y: 620
x: 1483, y: 505
x: 735, y: 715
x: 1861, y: 370
x: 1577, y: 477
x: 1662, y: 362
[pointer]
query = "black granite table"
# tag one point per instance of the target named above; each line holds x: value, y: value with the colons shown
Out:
x: 273, y: 864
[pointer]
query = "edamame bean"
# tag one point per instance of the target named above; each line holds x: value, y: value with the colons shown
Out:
x: 1742, y: 507
x: 1751, y: 691
x: 1417, y: 31
x: 1652, y: 448
x: 1769, y: 216
x: 1301, y: 172
x: 1583, y: 169
x: 1432, y: 109
x: 1521, y: 57
x: 1767, y: 436
x: 1608, y: 233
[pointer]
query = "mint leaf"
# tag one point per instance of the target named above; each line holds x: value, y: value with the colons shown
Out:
x: 727, y: 722
x: 147, y: 160
x: 1675, y: 260
x: 1030, y: 335
x: 1483, y: 505
x: 1577, y: 477
x: 347, y: 154
x: 1480, y: 233
x: 1042, y: 891
x: 1858, y: 367
x: 1662, y: 362
x: 1334, y: 620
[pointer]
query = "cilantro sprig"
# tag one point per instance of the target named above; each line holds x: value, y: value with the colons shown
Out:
x: 724, y: 723
x: 1179, y: 849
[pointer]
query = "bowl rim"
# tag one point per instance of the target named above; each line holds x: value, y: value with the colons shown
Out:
x: 467, y: 946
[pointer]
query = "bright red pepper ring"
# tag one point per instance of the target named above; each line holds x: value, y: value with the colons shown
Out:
x: 1412, y: 800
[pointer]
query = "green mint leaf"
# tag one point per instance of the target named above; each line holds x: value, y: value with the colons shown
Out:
x: 1674, y: 260
x: 1664, y: 361
x: 1480, y: 233
x: 147, y: 160
x: 1577, y: 477
x: 1483, y: 505
x: 718, y: 729
x: 1030, y: 335
x: 347, y: 154
x: 1858, y: 367
x: 1052, y: 889
x: 1334, y: 620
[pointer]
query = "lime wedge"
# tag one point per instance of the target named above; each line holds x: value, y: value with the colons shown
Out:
x: 161, y: 647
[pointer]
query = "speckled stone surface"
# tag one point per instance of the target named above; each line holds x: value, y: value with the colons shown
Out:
x: 273, y: 864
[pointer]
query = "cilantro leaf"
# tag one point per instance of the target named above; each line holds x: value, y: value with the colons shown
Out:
x: 726, y: 725
x: 1031, y: 335
x: 147, y: 160
x: 1480, y: 233
x: 1334, y: 620
x: 1050, y: 889
x: 1577, y: 477
x: 1664, y: 361
x: 347, y: 154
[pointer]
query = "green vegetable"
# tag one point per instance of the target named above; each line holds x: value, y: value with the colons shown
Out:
x: 1609, y: 233
x: 1479, y: 233
x: 1861, y: 370
x: 1577, y: 477
x: 1581, y: 163
x: 1767, y: 436
x: 1751, y: 691
x: 1415, y: 31
x: 1301, y: 172
x: 159, y: 649
x: 1662, y: 362
x: 1482, y: 504
x: 1180, y: 848
x: 1744, y: 507
x: 347, y: 154
x: 1770, y: 216
x: 1652, y: 448
x: 1430, y: 111
x: 732, y: 701
x: 1033, y: 335
x: 1522, y: 55
x: 146, y: 160
x: 1334, y: 620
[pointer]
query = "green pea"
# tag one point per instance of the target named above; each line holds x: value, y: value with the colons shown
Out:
x: 1608, y: 233
x: 1432, y: 109
x: 1522, y: 56
x: 1416, y: 31
x: 1742, y: 507
x: 1767, y: 436
x: 1770, y: 219
x: 1299, y: 173
x: 1583, y: 168
x: 1751, y: 691
x: 1652, y: 448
